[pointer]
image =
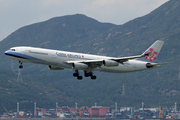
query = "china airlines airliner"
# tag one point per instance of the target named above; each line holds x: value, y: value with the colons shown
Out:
x: 59, y: 60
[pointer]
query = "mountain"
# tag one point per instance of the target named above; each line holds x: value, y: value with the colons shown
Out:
x: 80, y: 33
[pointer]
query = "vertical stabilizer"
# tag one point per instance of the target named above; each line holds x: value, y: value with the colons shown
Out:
x: 154, y: 50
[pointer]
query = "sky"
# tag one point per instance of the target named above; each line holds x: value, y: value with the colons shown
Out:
x: 15, y: 14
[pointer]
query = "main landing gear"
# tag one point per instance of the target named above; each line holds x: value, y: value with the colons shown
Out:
x: 20, y: 66
x: 86, y: 74
x: 76, y: 74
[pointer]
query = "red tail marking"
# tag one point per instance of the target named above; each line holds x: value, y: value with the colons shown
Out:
x: 152, y: 55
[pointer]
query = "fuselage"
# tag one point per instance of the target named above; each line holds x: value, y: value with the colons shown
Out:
x: 59, y: 58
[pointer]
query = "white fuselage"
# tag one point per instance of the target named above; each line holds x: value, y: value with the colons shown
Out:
x: 58, y: 58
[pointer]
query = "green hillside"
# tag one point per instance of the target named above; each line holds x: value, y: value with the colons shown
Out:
x: 80, y: 33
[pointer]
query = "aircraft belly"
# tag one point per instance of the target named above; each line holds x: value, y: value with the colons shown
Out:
x: 20, y: 59
x: 130, y: 66
x: 116, y: 69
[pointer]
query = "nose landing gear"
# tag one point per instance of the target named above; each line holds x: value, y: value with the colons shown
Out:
x: 20, y: 66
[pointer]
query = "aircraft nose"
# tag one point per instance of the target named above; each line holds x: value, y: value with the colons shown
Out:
x: 7, y: 52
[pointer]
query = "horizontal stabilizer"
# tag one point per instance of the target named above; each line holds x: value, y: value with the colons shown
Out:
x: 160, y: 63
x: 157, y: 64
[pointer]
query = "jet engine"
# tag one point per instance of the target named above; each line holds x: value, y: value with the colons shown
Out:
x: 110, y: 63
x: 79, y: 66
x: 149, y: 65
x: 55, y: 67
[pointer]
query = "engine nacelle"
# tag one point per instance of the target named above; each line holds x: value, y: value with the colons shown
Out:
x: 79, y: 66
x: 55, y: 67
x: 149, y: 65
x: 110, y: 63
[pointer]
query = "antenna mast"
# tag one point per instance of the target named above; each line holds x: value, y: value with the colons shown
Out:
x: 123, y: 90
x: 179, y: 73
x: 19, y: 78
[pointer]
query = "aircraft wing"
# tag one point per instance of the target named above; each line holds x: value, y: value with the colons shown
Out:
x: 124, y: 59
x: 85, y: 61
x: 94, y: 63
x: 99, y: 62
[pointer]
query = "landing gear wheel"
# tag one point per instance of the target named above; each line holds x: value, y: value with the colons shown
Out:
x: 79, y: 77
x: 75, y: 74
x: 87, y: 74
x: 93, y: 77
x: 20, y: 66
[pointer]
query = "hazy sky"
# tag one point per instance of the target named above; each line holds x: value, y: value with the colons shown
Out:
x: 18, y: 13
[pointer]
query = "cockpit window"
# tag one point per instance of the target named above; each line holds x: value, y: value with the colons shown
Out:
x: 13, y: 50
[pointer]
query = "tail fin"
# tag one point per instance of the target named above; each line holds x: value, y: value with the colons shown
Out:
x: 154, y: 50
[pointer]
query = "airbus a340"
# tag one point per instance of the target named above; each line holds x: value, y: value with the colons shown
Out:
x: 59, y: 60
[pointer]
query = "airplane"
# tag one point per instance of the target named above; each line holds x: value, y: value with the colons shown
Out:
x: 60, y: 60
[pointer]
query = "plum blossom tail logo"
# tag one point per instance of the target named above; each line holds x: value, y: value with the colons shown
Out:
x: 152, y: 55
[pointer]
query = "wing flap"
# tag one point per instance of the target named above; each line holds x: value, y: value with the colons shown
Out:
x: 93, y: 63
x: 85, y: 61
x: 124, y: 59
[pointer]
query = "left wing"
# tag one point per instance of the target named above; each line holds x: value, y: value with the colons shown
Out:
x: 97, y: 63
x: 124, y: 59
